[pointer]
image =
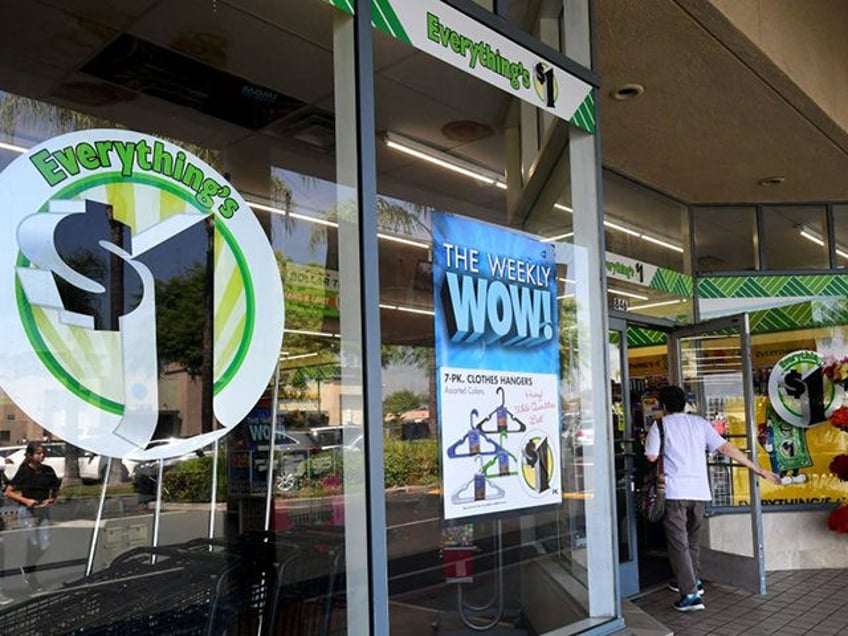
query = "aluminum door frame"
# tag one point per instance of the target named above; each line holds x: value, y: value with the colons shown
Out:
x: 628, y: 571
x: 723, y: 567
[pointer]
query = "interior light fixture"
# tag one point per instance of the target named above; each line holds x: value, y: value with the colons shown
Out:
x: 304, y: 332
x: 771, y: 181
x: 661, y: 243
x: 815, y: 237
x: 615, y: 292
x: 293, y: 215
x: 416, y: 310
x: 443, y: 160
x: 397, y: 239
x: 12, y: 147
x: 619, y: 292
x: 313, y: 219
x: 663, y: 303
x: 484, y: 175
x: 812, y: 235
x: 621, y: 228
x: 645, y: 237
x: 301, y: 356
x: 411, y: 310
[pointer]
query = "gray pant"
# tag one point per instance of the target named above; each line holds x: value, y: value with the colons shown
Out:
x: 682, y: 524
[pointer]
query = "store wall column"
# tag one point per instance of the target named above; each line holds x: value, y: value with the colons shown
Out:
x: 584, y: 150
x: 367, y: 576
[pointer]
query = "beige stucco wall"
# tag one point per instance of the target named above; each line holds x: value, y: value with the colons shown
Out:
x: 793, y: 540
x: 805, y: 39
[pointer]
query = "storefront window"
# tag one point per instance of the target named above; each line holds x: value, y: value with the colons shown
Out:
x: 795, y: 237
x: 840, y: 234
x: 179, y: 244
x: 725, y: 239
x: 799, y: 434
x: 490, y: 457
x: 647, y: 250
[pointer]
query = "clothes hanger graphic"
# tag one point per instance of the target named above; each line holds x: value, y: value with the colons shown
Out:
x: 501, y: 458
x: 474, y: 436
x: 501, y: 412
x: 484, y: 488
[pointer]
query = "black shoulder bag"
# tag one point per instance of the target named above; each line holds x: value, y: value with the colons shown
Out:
x: 652, y: 501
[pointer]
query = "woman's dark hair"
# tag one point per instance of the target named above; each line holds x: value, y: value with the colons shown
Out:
x: 32, y: 448
x: 673, y: 398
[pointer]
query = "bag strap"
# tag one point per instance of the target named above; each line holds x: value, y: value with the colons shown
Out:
x: 660, y: 469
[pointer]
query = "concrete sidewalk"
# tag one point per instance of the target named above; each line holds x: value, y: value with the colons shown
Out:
x: 797, y: 602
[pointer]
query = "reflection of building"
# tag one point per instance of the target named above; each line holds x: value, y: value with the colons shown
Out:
x: 15, y: 425
x: 414, y: 424
x: 179, y: 402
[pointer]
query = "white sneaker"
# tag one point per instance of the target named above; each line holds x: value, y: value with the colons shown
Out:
x: 786, y: 480
x: 799, y: 479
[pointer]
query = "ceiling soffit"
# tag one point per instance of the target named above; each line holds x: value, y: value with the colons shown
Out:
x: 716, y: 115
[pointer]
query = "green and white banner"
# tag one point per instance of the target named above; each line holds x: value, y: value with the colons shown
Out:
x: 647, y: 275
x: 461, y: 41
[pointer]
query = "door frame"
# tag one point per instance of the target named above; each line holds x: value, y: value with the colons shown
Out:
x: 628, y: 571
x: 718, y: 566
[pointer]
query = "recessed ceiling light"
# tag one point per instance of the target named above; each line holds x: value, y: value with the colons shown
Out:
x: 771, y: 181
x: 466, y: 130
x: 627, y: 91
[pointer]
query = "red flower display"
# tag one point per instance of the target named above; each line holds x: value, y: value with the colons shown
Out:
x: 838, y: 518
x: 839, y: 467
x: 839, y: 418
x: 836, y: 369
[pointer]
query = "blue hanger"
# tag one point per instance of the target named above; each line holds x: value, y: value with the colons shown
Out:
x: 473, y: 436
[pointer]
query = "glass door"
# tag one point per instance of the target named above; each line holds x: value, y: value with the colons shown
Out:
x: 623, y: 445
x: 712, y: 362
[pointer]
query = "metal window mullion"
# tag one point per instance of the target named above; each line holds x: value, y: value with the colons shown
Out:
x: 693, y: 264
x: 375, y: 496
x: 760, y: 236
x: 758, y: 545
x: 830, y: 232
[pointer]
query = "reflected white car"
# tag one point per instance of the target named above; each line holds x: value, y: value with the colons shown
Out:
x: 584, y: 436
x: 91, y: 466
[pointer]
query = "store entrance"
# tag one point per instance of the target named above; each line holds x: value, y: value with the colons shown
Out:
x: 712, y: 362
x: 638, y: 368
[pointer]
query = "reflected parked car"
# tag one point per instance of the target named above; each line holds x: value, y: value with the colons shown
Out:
x: 92, y: 467
x: 301, y: 445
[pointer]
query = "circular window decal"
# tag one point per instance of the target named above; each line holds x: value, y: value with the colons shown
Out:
x: 800, y: 393
x: 538, y: 469
x: 104, y: 230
